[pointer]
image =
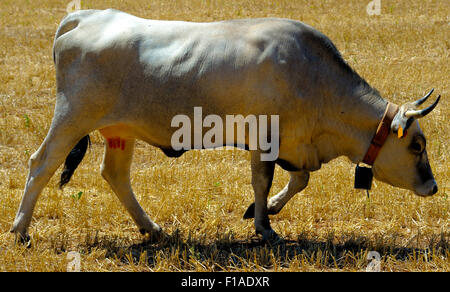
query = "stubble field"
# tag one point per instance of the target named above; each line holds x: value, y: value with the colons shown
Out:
x: 199, y: 198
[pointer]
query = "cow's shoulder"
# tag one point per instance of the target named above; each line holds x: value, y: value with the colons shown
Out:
x: 97, y: 29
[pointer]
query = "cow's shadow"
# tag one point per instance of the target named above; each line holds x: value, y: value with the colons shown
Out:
x: 227, y: 253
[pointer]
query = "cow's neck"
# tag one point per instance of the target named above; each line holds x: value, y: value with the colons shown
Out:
x: 359, y: 126
x: 348, y: 125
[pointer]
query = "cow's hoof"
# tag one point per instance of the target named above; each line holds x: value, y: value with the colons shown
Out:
x: 20, y: 234
x: 271, y: 237
x: 25, y: 240
x: 250, y: 213
x: 154, y: 236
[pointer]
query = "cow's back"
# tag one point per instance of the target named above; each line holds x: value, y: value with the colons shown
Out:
x: 148, y: 71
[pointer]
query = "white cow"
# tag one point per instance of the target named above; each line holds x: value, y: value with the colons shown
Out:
x: 128, y: 77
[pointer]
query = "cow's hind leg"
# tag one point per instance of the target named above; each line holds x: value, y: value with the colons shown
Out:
x: 262, y: 175
x: 297, y: 182
x: 60, y: 139
x: 115, y: 170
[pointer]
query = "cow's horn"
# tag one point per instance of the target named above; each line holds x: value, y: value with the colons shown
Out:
x: 423, y: 112
x: 423, y: 99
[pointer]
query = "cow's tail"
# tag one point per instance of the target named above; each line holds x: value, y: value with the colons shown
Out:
x: 70, y: 22
x: 73, y: 160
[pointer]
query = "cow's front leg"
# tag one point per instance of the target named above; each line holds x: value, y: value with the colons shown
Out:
x: 262, y: 175
x: 297, y: 182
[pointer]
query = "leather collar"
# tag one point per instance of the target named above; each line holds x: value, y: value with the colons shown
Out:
x: 383, y: 130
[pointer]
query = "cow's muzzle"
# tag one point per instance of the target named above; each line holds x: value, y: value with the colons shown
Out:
x: 429, y: 188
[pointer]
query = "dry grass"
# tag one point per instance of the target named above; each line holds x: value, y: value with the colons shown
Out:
x: 200, y: 197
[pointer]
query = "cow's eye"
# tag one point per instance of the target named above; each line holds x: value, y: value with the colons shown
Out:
x: 418, y: 145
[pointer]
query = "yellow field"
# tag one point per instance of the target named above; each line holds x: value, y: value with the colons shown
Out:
x: 199, y: 198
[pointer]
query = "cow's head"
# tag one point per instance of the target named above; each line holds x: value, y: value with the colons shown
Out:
x: 403, y: 160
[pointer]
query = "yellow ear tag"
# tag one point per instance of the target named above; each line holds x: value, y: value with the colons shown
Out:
x: 400, y: 132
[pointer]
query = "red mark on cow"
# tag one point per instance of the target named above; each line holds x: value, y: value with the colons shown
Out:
x: 116, y: 143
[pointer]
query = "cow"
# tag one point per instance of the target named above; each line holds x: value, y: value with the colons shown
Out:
x: 127, y: 77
